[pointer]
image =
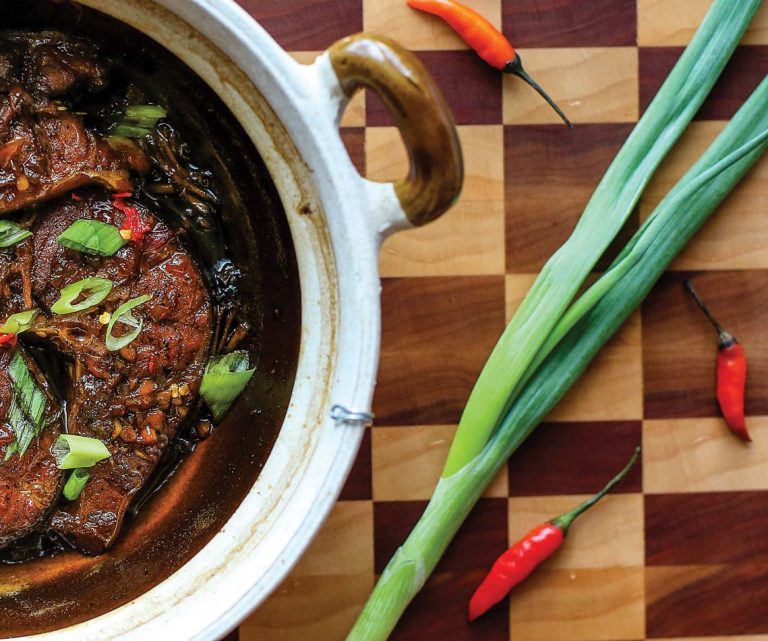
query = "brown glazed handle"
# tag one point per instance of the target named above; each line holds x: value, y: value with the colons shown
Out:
x: 419, y: 110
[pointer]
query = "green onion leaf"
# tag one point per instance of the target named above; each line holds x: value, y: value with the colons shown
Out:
x: 224, y: 380
x: 123, y: 315
x: 92, y: 237
x: 75, y: 483
x: 12, y: 233
x: 18, y: 323
x: 139, y: 121
x: 614, y: 199
x: 95, y: 291
x: 72, y: 451
x: 27, y: 410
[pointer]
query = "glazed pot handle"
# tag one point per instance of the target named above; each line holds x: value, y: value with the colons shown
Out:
x: 420, y: 112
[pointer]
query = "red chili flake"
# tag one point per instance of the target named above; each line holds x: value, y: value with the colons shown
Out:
x: 8, y: 339
x: 133, y: 221
x: 123, y: 194
x: 152, y: 364
x: 76, y: 198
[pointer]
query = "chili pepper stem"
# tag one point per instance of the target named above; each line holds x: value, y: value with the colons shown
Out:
x: 515, y: 67
x: 564, y: 521
x: 725, y: 338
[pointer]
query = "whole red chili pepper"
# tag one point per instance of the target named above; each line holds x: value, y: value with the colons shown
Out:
x: 487, y: 41
x: 512, y: 567
x: 731, y: 373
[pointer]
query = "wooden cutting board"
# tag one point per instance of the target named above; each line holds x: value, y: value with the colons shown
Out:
x: 681, y: 550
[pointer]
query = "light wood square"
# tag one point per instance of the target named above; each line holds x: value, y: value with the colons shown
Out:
x: 600, y: 604
x: 408, y: 461
x: 350, y: 528
x: 468, y: 239
x: 317, y: 607
x: 354, y: 115
x: 417, y: 30
x: 591, y: 85
x: 673, y: 22
x: 612, y: 386
x: 702, y: 455
x: 609, y: 535
x: 735, y: 236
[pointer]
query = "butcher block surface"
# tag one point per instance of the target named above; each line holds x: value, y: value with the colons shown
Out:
x: 680, y: 550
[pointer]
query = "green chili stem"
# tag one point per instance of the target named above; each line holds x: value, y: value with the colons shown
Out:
x: 515, y: 68
x: 725, y: 338
x: 564, y: 521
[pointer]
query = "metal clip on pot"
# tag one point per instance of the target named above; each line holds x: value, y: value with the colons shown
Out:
x: 421, y: 114
x: 342, y: 415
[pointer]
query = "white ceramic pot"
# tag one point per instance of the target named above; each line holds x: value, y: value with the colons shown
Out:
x: 337, y: 221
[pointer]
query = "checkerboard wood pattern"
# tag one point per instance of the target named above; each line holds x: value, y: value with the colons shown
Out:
x: 680, y: 550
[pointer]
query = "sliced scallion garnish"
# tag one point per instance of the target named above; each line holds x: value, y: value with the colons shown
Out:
x: 27, y: 410
x: 72, y: 451
x: 75, y: 483
x: 94, y: 289
x: 139, y: 121
x: 11, y: 233
x: 18, y: 323
x: 92, y: 237
x: 224, y: 380
x: 123, y: 315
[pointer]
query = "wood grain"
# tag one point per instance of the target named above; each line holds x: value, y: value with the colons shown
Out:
x: 570, y: 23
x: 579, y: 605
x: 679, y: 552
x: 550, y: 179
x: 702, y: 455
x: 592, y: 85
x: 706, y: 528
x: 408, y: 462
x: 439, y: 368
x: 569, y: 458
x: 475, y: 547
x: 673, y: 22
x: 707, y: 600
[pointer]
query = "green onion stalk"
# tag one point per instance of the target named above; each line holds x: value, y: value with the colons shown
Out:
x: 614, y: 199
x: 571, y: 337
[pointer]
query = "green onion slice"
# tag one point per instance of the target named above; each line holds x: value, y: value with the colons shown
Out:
x: 95, y: 291
x: 11, y: 233
x: 139, y: 121
x: 72, y: 451
x: 75, y: 483
x: 18, y: 323
x: 27, y: 410
x: 92, y: 237
x: 224, y: 380
x: 123, y: 315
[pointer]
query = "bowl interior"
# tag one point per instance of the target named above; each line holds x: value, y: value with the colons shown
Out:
x: 199, y: 497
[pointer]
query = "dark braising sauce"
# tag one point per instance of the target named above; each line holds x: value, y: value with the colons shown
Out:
x: 231, y: 222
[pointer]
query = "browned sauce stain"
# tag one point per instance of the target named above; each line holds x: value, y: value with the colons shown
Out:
x: 197, y: 500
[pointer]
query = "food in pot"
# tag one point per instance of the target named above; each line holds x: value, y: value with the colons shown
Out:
x: 94, y: 273
x: 45, y: 150
x: 30, y: 480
